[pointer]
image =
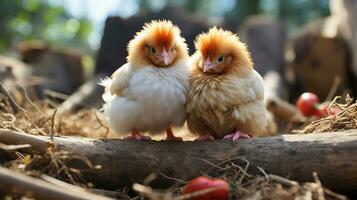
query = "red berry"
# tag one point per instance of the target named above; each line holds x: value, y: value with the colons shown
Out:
x: 307, y: 103
x: 197, y: 184
x: 201, y: 183
x: 323, y: 111
x: 335, y: 111
x: 223, y: 192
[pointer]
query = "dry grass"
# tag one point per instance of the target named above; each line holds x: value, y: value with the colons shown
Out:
x: 245, y: 186
x: 41, y: 118
x: 53, y: 163
x: 345, y: 120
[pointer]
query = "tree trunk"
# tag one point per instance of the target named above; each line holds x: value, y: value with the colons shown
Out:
x: 331, y: 155
x: 265, y: 38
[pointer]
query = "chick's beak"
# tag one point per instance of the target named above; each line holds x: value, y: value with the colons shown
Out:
x: 208, y: 65
x: 165, y: 56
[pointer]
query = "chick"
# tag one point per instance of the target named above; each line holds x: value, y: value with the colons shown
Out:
x: 226, y: 94
x: 149, y: 92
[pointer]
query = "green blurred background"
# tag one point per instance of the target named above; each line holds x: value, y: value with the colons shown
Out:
x: 79, y: 23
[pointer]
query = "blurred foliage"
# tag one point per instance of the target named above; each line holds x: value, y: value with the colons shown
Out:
x: 38, y: 20
x: 298, y: 12
x: 293, y: 12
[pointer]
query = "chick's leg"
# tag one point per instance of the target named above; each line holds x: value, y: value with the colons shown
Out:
x: 135, y: 135
x: 208, y: 137
x: 236, y: 136
x: 170, y: 135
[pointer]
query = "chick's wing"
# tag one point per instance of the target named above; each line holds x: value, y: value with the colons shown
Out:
x: 120, y: 79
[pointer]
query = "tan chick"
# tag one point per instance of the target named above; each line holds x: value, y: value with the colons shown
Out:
x: 226, y: 94
x: 149, y: 92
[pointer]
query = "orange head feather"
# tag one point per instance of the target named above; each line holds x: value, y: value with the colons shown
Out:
x: 159, y: 43
x: 221, y: 51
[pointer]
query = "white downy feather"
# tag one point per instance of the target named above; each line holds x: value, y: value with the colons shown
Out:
x: 154, y: 100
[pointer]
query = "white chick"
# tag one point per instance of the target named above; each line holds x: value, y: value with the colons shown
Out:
x: 149, y: 92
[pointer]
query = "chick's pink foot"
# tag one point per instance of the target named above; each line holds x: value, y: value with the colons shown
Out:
x: 236, y: 136
x: 171, y: 137
x: 135, y: 135
x: 205, y: 138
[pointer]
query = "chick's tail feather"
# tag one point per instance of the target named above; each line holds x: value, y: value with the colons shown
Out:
x: 106, y: 82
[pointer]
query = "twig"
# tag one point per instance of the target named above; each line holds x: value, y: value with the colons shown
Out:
x: 150, y: 178
x: 222, y: 163
x: 13, y: 137
x: 16, y: 183
x: 334, y: 194
x: 108, y: 193
x: 148, y: 192
x: 174, y: 179
x: 263, y: 172
x: 284, y: 110
x: 53, y: 125
x: 55, y: 94
x: 320, y: 189
x: 214, y: 165
x: 283, y: 180
x: 333, y: 89
x: 33, y: 123
x: 102, y: 125
x: 15, y: 107
x: 244, y: 171
x: 13, y: 147
x: 24, y: 93
x: 60, y: 183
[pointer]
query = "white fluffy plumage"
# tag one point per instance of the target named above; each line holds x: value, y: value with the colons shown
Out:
x: 151, y: 98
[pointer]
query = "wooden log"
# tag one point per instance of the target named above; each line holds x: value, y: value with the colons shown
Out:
x: 284, y: 110
x: 89, y: 95
x: 331, y: 155
x: 16, y: 183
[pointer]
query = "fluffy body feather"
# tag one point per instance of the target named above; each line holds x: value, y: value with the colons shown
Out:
x: 154, y: 99
x: 230, y: 97
x: 149, y: 93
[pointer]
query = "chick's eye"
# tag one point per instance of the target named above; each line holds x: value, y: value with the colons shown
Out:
x: 173, y: 49
x: 220, y: 59
x: 152, y: 49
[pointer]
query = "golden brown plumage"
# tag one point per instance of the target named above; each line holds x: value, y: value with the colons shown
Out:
x: 226, y: 93
x: 153, y: 39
